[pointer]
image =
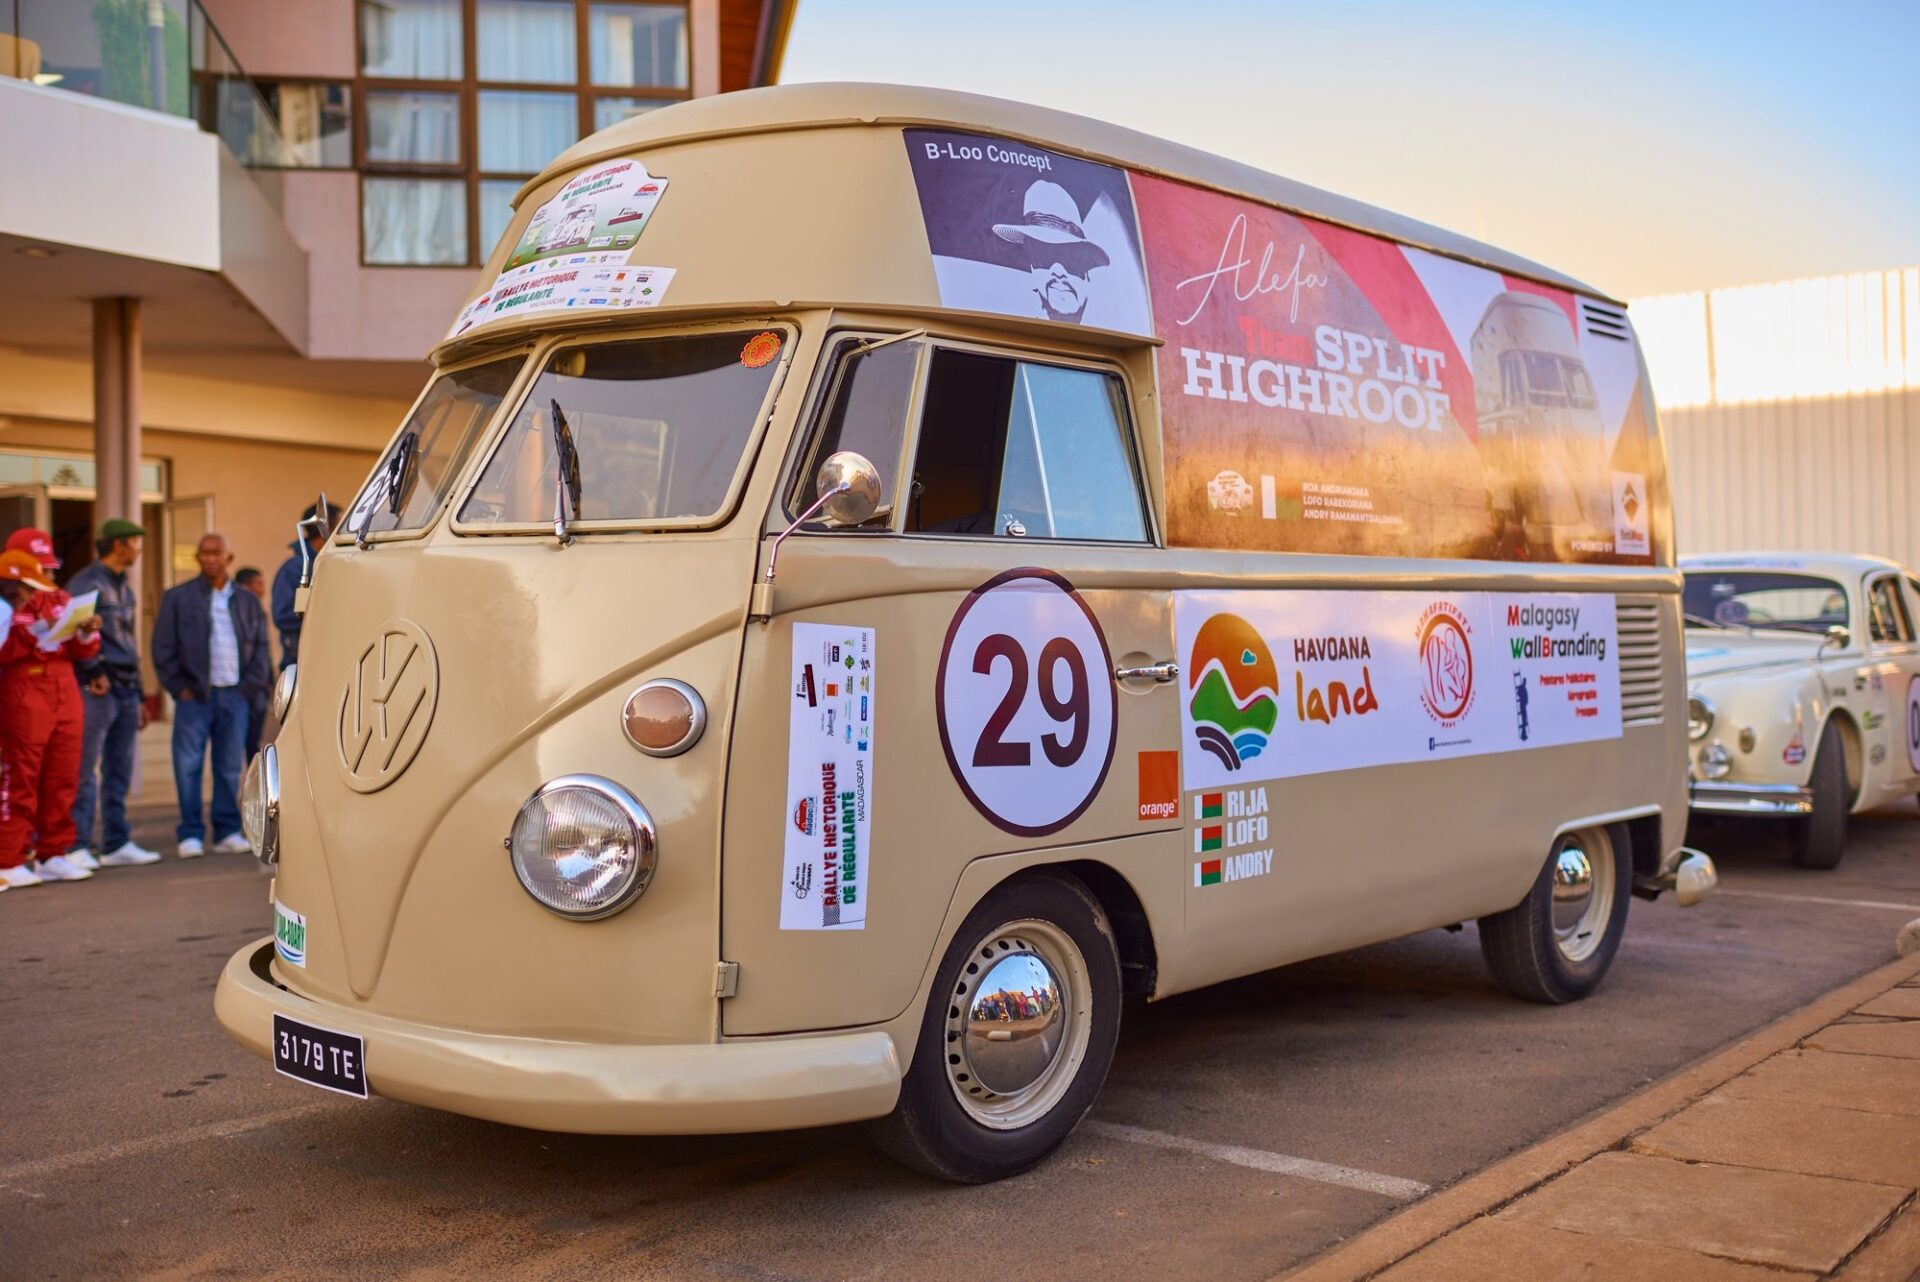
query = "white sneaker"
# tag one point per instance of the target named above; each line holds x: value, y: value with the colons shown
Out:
x: 234, y: 843
x: 190, y: 849
x: 81, y: 857
x: 59, y: 869
x: 128, y: 856
x: 19, y: 878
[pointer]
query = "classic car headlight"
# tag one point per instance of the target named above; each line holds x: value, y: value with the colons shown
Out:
x: 260, y: 804
x: 1715, y: 761
x: 1699, y: 717
x: 283, y: 691
x: 583, y: 847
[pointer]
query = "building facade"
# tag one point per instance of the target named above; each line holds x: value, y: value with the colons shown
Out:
x: 1792, y: 413
x: 230, y: 230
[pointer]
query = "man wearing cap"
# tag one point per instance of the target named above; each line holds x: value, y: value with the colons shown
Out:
x: 286, y: 581
x: 40, y: 718
x: 210, y: 652
x: 111, y: 696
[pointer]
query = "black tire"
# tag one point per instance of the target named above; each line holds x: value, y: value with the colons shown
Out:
x: 930, y: 1129
x: 1528, y: 959
x: 1819, y: 840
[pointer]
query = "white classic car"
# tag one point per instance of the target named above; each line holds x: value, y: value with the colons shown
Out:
x: 1805, y: 680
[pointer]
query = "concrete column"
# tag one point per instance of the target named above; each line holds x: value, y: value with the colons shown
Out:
x: 116, y: 408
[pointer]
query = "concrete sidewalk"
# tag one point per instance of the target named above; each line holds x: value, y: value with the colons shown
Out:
x: 1792, y: 1154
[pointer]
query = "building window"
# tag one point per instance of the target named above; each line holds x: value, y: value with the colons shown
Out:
x: 639, y: 45
x: 411, y: 39
x: 526, y: 41
x: 461, y: 101
x: 316, y: 124
x: 418, y: 222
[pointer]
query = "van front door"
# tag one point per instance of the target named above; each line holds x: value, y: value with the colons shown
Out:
x: 941, y: 686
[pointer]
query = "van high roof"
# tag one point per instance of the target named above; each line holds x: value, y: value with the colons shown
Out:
x: 831, y: 106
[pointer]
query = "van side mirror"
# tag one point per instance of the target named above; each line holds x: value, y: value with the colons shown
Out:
x: 1838, y: 637
x: 848, y: 486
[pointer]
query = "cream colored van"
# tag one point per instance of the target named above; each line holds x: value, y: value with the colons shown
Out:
x: 880, y: 576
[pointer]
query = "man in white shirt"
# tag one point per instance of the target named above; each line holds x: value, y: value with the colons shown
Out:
x: 210, y: 652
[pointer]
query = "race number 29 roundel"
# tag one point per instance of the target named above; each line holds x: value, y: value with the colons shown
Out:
x: 1913, y: 722
x: 1026, y: 701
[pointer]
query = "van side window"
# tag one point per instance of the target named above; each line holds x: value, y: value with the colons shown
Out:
x: 1887, y: 614
x: 872, y: 395
x: 1013, y: 448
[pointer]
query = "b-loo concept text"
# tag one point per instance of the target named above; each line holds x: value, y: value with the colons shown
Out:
x: 877, y: 575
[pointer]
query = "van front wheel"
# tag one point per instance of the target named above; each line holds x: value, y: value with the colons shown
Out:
x: 1556, y: 944
x: 1017, y: 1036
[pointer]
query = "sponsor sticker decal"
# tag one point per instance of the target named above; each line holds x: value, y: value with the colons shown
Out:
x: 289, y: 935
x: 1234, y: 848
x: 825, y: 877
x: 1159, y: 785
x: 1913, y: 723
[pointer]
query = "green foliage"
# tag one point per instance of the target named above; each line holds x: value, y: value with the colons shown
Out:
x: 125, y: 61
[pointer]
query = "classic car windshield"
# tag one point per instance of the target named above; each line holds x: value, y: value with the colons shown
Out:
x: 650, y: 430
x: 1765, y: 599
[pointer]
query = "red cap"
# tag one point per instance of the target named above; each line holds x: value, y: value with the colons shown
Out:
x: 35, y: 543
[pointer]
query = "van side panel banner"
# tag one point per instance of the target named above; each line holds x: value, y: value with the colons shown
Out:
x: 1328, y: 391
x: 828, y: 821
x: 1276, y: 685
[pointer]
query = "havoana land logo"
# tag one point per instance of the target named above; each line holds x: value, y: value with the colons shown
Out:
x: 1235, y: 690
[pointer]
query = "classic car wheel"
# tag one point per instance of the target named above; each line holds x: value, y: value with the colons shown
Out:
x: 1820, y: 839
x: 1556, y: 944
x: 1017, y: 1035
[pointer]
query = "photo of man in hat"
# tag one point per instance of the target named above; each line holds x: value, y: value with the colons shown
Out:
x: 1057, y: 247
x: 1023, y: 231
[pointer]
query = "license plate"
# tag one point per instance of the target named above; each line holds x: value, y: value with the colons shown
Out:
x: 320, y: 1057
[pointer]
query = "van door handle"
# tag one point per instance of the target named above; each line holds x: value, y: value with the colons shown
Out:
x: 1161, y: 672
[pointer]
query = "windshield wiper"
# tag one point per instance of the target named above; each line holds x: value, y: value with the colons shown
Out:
x: 402, y: 471
x: 566, y: 477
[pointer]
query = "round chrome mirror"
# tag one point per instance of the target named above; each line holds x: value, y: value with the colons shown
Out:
x: 849, y: 488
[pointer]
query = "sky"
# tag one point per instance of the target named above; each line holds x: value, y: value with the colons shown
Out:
x: 1645, y: 148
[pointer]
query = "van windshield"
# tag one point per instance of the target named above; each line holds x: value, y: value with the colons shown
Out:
x: 426, y: 456
x: 658, y: 428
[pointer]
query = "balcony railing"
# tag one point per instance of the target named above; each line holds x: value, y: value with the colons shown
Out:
x: 163, y: 55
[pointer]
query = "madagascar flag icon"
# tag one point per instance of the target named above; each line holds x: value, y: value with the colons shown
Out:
x: 1210, y: 805
x: 1207, y: 874
x: 1205, y: 839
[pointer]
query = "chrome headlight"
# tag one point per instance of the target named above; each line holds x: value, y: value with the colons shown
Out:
x: 283, y: 691
x: 1715, y: 761
x: 583, y: 847
x: 1699, y: 717
x: 260, y: 804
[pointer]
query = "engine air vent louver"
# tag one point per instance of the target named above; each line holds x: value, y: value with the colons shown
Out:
x: 1605, y: 322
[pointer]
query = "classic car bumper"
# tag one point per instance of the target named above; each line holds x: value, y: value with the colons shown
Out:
x: 774, y: 1084
x: 1762, y: 800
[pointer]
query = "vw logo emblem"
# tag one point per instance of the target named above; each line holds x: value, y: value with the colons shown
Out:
x: 388, y: 706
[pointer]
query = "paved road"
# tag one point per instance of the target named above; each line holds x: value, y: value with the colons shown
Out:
x: 135, y: 1139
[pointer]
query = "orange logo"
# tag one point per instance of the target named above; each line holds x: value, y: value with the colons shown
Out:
x: 760, y: 349
x: 1159, y: 785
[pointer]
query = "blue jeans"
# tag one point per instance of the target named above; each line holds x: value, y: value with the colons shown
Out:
x: 221, y: 722
x: 106, y: 750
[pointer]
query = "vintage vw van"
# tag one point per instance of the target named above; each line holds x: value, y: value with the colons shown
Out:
x: 879, y: 575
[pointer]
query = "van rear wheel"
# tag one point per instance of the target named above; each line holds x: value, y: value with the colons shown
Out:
x: 1555, y: 945
x: 1017, y: 1036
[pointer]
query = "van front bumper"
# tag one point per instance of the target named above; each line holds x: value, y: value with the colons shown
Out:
x: 588, y: 1087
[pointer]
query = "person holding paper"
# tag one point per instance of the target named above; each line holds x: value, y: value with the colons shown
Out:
x: 111, y: 695
x: 41, y: 723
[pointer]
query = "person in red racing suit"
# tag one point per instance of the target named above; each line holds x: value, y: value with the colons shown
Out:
x: 40, y: 727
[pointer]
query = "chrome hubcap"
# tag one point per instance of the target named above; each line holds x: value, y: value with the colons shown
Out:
x: 1582, y: 893
x: 1017, y: 1024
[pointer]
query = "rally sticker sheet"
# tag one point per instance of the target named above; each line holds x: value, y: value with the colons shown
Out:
x: 574, y: 251
x: 1282, y: 684
x: 827, y: 822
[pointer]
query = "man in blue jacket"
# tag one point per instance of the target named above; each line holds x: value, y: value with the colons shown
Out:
x: 210, y: 652
x: 287, y: 579
x: 111, y: 697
